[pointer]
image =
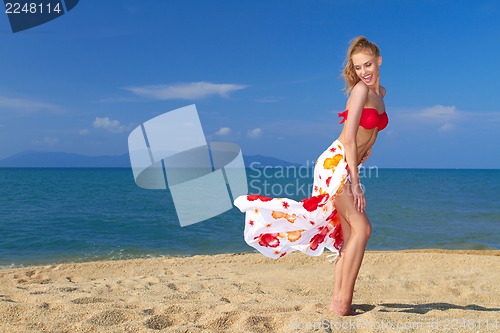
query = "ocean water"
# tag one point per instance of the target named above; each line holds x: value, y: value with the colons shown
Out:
x: 56, y: 215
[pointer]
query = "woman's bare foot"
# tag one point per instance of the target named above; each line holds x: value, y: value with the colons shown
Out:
x: 335, y: 304
x: 341, y: 308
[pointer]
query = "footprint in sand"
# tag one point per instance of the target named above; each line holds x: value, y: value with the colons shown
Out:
x: 89, y: 300
x: 5, y: 298
x: 224, y: 322
x: 45, y: 281
x: 260, y: 324
x: 158, y: 322
x: 44, y: 306
x: 108, y: 318
x: 148, y: 312
x: 172, y: 286
x: 30, y: 273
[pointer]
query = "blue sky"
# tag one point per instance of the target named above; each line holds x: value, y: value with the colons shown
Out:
x: 263, y: 74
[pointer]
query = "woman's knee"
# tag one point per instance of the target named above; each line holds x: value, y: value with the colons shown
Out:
x: 361, y: 225
x: 368, y: 230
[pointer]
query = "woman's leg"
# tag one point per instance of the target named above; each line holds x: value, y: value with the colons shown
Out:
x: 346, y: 232
x: 353, y: 250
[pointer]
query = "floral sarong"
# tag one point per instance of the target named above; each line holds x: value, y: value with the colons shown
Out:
x: 278, y: 226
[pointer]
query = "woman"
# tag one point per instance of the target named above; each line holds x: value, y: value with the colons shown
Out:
x: 334, y: 216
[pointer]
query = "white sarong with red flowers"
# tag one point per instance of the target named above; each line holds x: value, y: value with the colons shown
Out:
x: 278, y: 226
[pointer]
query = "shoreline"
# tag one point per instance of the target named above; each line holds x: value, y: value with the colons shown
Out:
x: 446, y: 251
x: 251, y: 251
x: 247, y: 292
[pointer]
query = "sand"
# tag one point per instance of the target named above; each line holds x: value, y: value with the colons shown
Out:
x: 396, y: 291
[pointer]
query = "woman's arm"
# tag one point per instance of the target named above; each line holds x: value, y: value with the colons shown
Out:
x: 357, y: 101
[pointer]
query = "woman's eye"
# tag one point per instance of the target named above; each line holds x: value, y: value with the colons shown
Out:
x: 368, y: 65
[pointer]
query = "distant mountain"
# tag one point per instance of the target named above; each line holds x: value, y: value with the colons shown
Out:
x: 40, y: 159
x: 259, y: 161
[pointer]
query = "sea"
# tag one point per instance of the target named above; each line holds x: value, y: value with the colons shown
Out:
x: 67, y: 215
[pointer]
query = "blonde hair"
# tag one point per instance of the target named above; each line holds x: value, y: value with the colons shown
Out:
x: 358, y: 44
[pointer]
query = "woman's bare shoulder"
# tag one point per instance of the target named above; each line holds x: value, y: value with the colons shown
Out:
x: 359, y: 88
x: 358, y: 96
x: 382, y: 91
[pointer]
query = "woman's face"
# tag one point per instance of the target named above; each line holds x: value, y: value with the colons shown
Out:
x: 367, y: 67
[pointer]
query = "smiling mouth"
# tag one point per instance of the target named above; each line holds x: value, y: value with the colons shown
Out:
x: 368, y: 77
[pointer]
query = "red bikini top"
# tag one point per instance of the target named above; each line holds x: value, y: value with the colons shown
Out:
x: 370, y: 118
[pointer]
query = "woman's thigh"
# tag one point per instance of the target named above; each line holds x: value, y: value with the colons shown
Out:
x: 344, y: 204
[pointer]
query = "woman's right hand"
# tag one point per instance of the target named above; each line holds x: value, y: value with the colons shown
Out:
x: 358, y: 197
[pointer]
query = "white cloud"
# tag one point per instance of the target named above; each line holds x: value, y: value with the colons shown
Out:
x: 83, y: 131
x: 446, y: 127
x: 110, y: 125
x: 439, y: 112
x: 189, y: 91
x: 254, y: 133
x: 26, y: 106
x: 223, y: 131
x: 46, y: 141
x: 441, y: 118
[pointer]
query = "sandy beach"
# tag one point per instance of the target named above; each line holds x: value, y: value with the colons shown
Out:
x: 397, y: 291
